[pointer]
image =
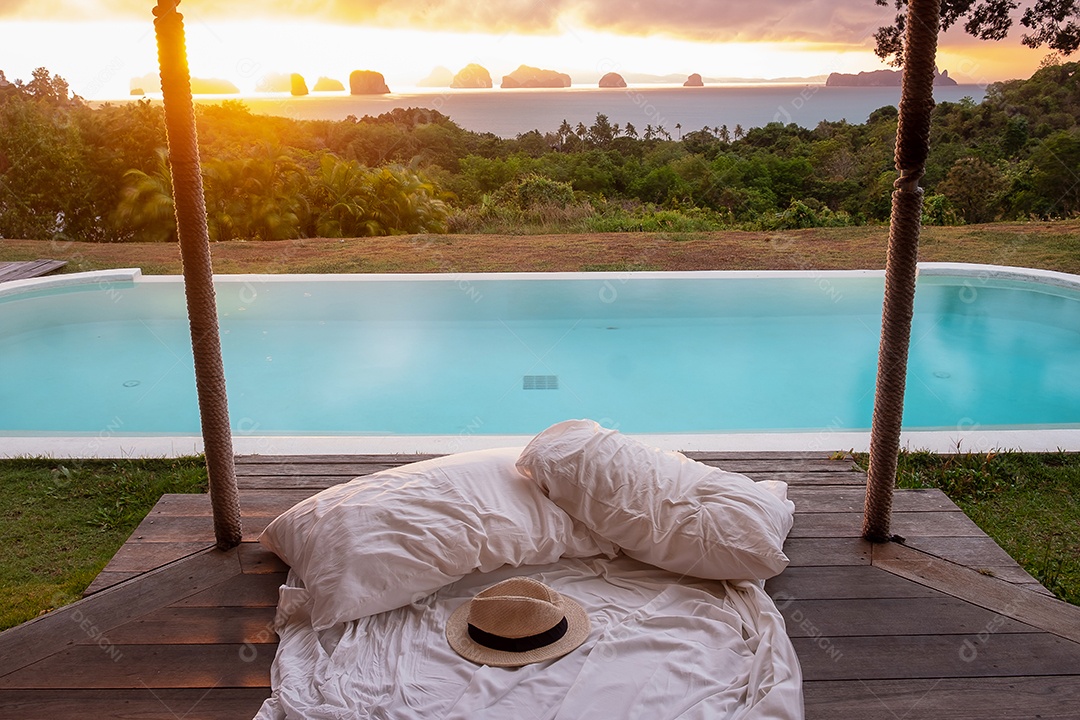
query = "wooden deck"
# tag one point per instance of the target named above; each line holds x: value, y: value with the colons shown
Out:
x: 28, y: 269
x: 945, y: 625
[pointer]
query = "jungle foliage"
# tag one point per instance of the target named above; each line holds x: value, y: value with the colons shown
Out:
x: 102, y: 174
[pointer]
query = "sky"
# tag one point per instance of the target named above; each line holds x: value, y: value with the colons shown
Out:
x: 100, y: 45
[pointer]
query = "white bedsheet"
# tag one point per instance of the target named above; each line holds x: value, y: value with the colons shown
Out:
x: 661, y: 646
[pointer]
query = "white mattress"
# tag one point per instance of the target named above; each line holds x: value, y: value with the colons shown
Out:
x: 661, y: 646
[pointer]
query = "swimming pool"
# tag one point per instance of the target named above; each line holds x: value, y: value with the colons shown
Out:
x: 94, y: 362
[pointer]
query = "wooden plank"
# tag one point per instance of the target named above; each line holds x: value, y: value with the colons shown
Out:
x: 253, y: 503
x: 812, y: 552
x: 142, y: 556
x: 1009, y: 573
x: 876, y: 657
x: 155, y: 666
x: 21, y: 270
x: 96, y: 615
x: 1051, y: 615
x: 324, y: 465
x: 191, y: 528
x: 812, y: 479
x: 393, y: 459
x: 786, y: 462
x: 942, y: 524
x: 238, y: 591
x: 309, y: 470
x: 842, y: 581
x: 1009, y: 698
x: 257, y: 560
x: 941, y: 615
x: 107, y: 579
x: 275, y: 483
x: 191, y: 704
x: 975, y: 551
x: 841, y: 498
x: 197, y: 626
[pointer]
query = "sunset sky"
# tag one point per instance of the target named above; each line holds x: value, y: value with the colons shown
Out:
x: 99, y: 45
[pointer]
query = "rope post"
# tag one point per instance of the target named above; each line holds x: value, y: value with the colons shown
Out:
x: 912, y: 147
x: 198, y: 273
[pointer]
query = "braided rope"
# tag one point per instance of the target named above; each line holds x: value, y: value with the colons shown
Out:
x: 912, y: 147
x: 198, y: 272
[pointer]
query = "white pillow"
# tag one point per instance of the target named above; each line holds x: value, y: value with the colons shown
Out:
x: 381, y: 541
x: 661, y: 507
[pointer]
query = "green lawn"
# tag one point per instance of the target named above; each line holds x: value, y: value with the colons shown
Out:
x: 64, y: 520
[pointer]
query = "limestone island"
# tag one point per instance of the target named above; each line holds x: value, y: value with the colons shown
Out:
x: 694, y: 81
x: 297, y: 85
x: 325, y: 84
x: 367, y: 82
x: 472, y: 76
x: 439, y: 77
x: 612, y: 80
x: 881, y: 78
x: 136, y: 91
x: 530, y: 77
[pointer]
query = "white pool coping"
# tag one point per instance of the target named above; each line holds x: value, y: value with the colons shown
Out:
x: 825, y: 440
x: 820, y: 442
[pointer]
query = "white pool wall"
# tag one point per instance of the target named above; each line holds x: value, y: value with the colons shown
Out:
x: 824, y: 440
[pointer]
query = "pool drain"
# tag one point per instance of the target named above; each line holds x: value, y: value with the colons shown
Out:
x: 133, y: 383
x: 540, y: 382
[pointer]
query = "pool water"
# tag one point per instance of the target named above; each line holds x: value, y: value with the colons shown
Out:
x: 493, y: 355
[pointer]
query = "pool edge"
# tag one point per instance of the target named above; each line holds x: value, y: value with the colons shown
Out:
x: 823, y: 441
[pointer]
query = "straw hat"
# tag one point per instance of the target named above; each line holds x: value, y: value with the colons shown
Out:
x: 517, y: 622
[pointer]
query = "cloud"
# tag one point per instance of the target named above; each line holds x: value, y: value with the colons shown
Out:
x: 843, y: 21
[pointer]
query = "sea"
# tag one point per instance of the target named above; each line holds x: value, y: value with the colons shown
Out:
x: 679, y: 110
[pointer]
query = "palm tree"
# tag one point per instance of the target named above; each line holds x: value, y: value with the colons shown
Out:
x: 564, y: 132
x: 341, y: 198
x: 146, y: 209
x: 630, y: 130
x: 738, y: 131
x: 722, y: 131
x: 649, y: 132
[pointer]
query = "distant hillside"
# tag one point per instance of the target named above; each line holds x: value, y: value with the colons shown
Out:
x: 881, y: 78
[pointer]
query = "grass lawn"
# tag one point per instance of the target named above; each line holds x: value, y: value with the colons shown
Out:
x: 64, y: 520
x: 1046, y: 245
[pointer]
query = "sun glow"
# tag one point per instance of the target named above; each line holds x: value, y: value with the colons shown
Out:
x: 100, y: 58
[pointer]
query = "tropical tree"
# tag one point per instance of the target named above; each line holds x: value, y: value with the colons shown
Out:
x: 259, y: 197
x: 1053, y: 23
x: 974, y: 187
x: 738, y: 132
x: 146, y: 211
x: 341, y: 198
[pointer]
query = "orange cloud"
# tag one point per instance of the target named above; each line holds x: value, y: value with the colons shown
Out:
x: 818, y: 20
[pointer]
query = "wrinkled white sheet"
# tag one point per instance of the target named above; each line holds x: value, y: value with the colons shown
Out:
x: 661, y: 646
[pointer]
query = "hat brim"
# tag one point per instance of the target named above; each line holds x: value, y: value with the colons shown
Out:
x: 457, y: 633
